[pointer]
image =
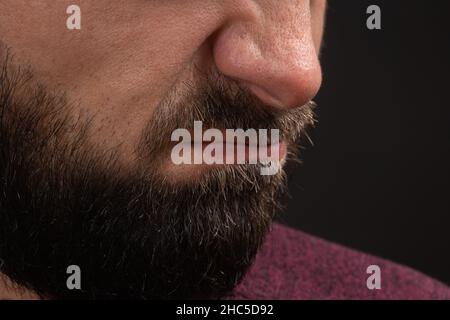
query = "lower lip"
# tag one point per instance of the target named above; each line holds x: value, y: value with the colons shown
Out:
x: 253, y: 153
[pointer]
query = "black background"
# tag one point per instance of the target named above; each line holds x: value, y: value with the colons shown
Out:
x: 377, y: 177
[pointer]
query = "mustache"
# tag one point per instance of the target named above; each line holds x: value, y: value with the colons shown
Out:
x: 63, y: 200
x: 221, y: 103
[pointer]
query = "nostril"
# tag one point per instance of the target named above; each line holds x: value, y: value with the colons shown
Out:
x: 286, y: 90
x: 264, y: 95
x: 280, y: 70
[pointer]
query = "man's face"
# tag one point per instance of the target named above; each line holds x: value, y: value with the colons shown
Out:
x: 102, y: 102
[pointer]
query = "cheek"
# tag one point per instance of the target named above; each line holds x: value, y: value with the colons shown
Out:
x: 118, y: 66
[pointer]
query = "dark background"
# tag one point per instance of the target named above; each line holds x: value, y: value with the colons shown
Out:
x: 378, y: 178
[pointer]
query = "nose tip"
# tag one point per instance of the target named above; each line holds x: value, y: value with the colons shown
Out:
x: 283, y: 73
x: 290, y: 89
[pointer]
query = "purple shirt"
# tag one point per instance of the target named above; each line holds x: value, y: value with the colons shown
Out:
x: 294, y: 265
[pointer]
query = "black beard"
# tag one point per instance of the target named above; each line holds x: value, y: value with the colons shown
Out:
x: 64, y: 202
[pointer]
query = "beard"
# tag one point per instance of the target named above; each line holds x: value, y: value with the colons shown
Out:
x: 134, y: 233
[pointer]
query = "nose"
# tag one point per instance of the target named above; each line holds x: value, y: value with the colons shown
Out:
x: 273, y: 55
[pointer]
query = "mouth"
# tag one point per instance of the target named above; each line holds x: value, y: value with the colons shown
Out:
x: 227, y: 146
x: 218, y: 147
x: 232, y: 152
x: 189, y: 161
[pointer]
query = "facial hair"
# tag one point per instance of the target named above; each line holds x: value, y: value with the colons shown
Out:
x: 134, y: 235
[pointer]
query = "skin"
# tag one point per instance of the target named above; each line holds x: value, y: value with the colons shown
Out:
x: 130, y: 53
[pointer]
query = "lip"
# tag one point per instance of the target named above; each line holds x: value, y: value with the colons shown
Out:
x: 228, y: 146
x: 250, y: 153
